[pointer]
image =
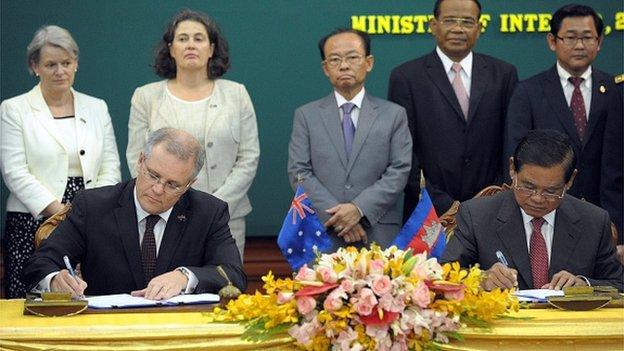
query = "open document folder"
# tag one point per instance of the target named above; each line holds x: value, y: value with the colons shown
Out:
x: 537, y: 295
x: 128, y: 301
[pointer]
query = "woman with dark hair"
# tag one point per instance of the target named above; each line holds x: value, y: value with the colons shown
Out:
x: 54, y: 141
x: 192, y: 56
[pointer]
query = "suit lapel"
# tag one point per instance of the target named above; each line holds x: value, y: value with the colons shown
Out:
x: 479, y: 81
x: 81, y: 119
x: 366, y: 119
x: 172, y: 235
x: 598, y: 101
x: 331, y: 121
x: 127, y: 225
x: 511, y: 233
x: 553, y: 93
x: 435, y: 71
x: 44, y: 116
x: 215, y: 105
x: 565, y: 237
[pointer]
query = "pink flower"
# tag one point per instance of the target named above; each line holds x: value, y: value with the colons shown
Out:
x: 334, y: 300
x: 327, y: 274
x: 381, y: 285
x: 284, y: 296
x: 420, y: 295
x: 347, y: 285
x: 376, y: 267
x: 306, y: 304
x: 454, y: 295
x: 391, y: 303
x: 365, y: 302
x: 305, y: 332
x: 306, y: 273
x: 345, y: 338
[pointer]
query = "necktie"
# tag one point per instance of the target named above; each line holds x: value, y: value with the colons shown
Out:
x: 538, y: 254
x: 577, y: 106
x: 148, y: 248
x: 348, y: 128
x: 460, y: 91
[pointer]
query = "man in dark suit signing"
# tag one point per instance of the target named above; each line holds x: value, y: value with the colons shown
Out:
x: 153, y: 236
x: 456, y: 102
x: 574, y: 98
x: 550, y: 239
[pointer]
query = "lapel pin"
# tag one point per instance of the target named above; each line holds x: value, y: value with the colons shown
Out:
x: 181, y: 218
x: 602, y: 89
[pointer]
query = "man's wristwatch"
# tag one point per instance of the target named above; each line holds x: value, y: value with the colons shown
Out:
x: 186, y: 273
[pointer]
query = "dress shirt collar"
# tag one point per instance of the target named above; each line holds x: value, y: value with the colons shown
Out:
x: 564, y: 75
x: 357, y: 99
x: 141, y: 213
x: 548, y: 218
x: 466, y: 63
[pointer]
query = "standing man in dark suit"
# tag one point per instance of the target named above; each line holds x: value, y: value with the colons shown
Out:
x: 153, y: 236
x: 456, y: 102
x: 572, y: 97
x: 351, y: 150
x: 550, y: 239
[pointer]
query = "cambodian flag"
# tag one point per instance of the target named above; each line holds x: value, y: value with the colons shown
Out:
x: 302, y: 233
x: 422, y: 231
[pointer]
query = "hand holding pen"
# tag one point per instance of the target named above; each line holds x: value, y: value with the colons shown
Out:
x: 500, y: 275
x: 67, y: 280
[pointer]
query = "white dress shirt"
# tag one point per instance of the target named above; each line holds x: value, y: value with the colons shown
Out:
x: 357, y: 101
x: 466, y: 72
x: 568, y: 87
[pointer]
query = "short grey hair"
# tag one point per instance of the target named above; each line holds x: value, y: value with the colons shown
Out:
x: 50, y: 35
x: 178, y: 143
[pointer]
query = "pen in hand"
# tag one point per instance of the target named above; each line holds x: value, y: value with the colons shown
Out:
x: 71, y: 271
x: 503, y: 260
x: 499, y: 255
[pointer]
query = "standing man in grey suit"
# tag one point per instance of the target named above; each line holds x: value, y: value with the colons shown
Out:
x: 550, y: 239
x: 351, y: 150
x: 574, y: 98
x: 456, y: 102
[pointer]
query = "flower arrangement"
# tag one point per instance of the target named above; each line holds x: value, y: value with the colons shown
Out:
x: 370, y: 299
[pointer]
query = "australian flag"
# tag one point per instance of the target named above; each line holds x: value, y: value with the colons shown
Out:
x: 302, y: 233
x: 422, y: 231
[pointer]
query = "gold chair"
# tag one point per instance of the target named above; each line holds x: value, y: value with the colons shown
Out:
x: 448, y: 218
x: 48, y: 226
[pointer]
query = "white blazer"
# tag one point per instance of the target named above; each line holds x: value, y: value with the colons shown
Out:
x: 34, y: 160
x: 231, y: 138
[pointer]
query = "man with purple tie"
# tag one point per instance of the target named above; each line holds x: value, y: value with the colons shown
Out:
x: 351, y: 150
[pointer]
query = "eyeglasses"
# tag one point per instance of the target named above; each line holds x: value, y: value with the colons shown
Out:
x: 571, y: 41
x: 547, y: 195
x: 170, y: 188
x: 466, y: 23
x: 351, y: 60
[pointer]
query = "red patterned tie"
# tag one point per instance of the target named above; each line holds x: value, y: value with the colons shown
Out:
x: 148, y: 248
x: 538, y: 254
x: 577, y: 106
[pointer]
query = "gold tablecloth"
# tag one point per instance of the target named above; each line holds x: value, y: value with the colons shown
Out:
x: 535, y: 329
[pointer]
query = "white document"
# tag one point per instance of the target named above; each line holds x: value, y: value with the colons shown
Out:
x: 536, y: 295
x: 128, y: 301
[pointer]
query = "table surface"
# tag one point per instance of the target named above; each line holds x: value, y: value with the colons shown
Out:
x: 548, y: 329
